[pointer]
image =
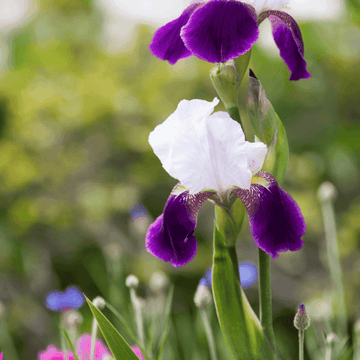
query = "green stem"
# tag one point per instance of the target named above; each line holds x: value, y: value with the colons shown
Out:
x: 333, y: 257
x: 301, y: 345
x: 265, y: 296
x: 208, y: 332
x: 93, y: 339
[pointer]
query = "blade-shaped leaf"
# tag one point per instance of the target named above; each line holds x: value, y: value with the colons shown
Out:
x: 268, y: 128
x: 117, y: 345
x: 239, y: 324
x: 67, y: 337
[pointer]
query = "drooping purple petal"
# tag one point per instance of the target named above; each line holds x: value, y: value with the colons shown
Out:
x: 288, y: 39
x: 167, y: 43
x: 170, y: 236
x: 276, y: 222
x: 221, y: 30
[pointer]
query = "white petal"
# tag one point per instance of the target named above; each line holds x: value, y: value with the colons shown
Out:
x: 214, y: 156
x: 256, y: 153
x: 187, y: 114
x: 262, y: 5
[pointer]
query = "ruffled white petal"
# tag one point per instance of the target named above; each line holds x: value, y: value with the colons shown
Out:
x: 211, y: 154
x: 187, y: 114
x: 215, y: 156
x: 262, y: 5
x: 256, y: 153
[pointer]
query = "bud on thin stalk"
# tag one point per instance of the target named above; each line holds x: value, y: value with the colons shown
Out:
x: 301, y: 322
x: 99, y: 302
x: 203, y: 298
x: 327, y: 194
x: 132, y: 282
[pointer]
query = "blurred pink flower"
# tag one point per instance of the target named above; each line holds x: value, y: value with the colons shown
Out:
x: 52, y: 353
x: 83, y: 348
x: 1, y: 356
x: 137, y: 352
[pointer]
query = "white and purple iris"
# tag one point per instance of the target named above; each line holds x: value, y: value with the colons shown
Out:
x: 208, y: 154
x: 219, y: 30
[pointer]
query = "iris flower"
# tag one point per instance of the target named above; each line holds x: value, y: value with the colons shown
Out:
x: 208, y: 154
x: 220, y: 30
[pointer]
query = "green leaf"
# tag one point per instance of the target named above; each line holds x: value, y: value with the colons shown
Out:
x: 67, y: 337
x: 268, y: 128
x: 238, y: 322
x: 117, y: 345
x: 167, y: 322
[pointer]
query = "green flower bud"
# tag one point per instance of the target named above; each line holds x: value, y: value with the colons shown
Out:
x: 302, y: 320
x: 268, y: 129
x: 226, y: 82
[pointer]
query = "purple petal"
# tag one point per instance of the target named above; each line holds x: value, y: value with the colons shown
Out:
x: 221, y: 30
x: 288, y: 39
x: 276, y: 222
x: 170, y: 236
x: 167, y: 43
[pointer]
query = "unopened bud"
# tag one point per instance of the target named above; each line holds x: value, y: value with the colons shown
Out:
x: 331, y: 338
x: 71, y: 318
x: 132, y: 281
x: 113, y: 250
x: 99, y: 302
x: 158, y: 281
x: 202, y: 296
x: 302, y: 320
x: 226, y: 82
x: 327, y: 191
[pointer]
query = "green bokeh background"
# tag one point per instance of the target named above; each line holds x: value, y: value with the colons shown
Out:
x: 74, y: 160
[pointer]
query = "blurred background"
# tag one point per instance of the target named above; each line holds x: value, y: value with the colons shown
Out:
x: 79, y: 184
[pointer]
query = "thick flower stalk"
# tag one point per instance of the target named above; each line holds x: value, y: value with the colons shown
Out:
x: 219, y: 30
x: 208, y: 154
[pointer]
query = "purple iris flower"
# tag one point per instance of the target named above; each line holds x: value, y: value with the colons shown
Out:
x: 248, y: 275
x: 70, y: 299
x: 220, y: 30
x: 212, y: 160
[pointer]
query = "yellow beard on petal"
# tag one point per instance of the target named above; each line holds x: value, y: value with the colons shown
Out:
x: 260, y: 181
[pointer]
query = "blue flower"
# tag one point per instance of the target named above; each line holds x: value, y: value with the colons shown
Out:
x: 248, y: 275
x: 220, y: 30
x: 71, y: 299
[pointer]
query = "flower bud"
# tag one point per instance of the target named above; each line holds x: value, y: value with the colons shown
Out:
x: 331, y: 338
x: 132, y: 281
x: 327, y: 192
x: 226, y: 82
x: 202, y: 296
x: 302, y: 320
x: 99, y: 302
x: 158, y: 281
x: 71, y: 318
